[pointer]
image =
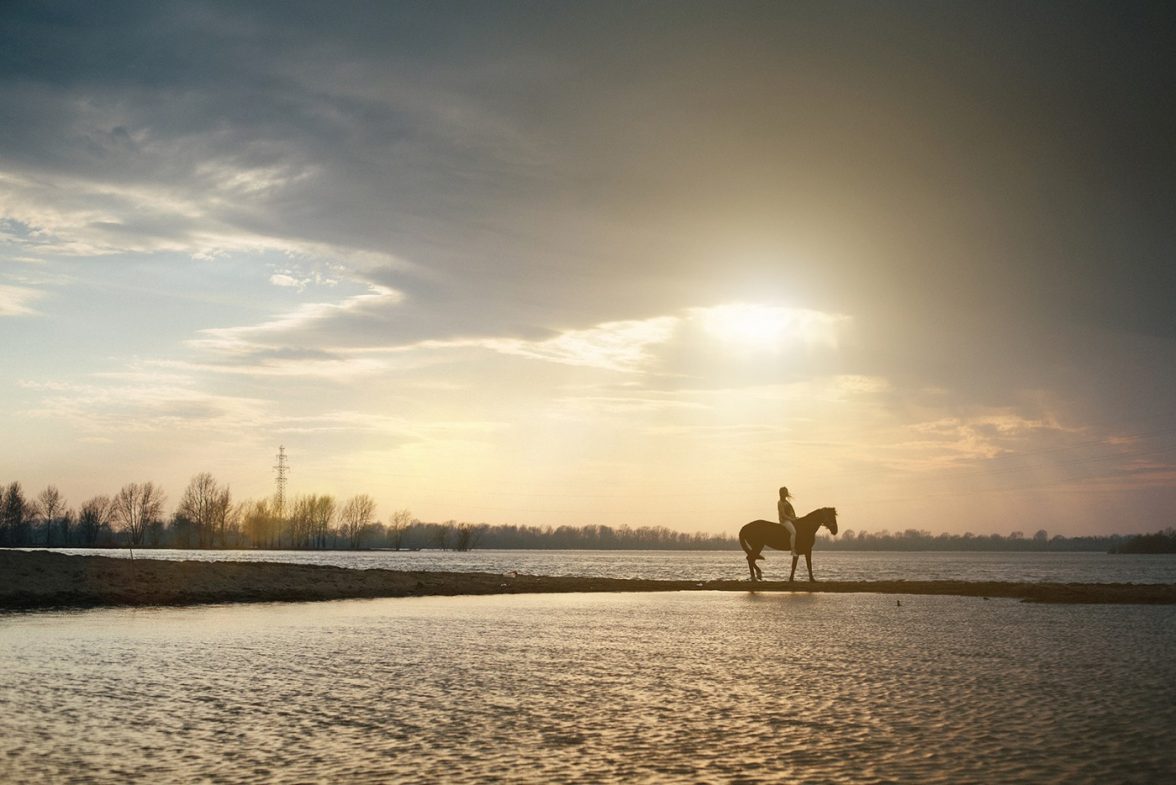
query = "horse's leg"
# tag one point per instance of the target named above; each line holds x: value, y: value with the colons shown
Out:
x: 752, y: 556
x: 808, y: 560
x: 792, y: 575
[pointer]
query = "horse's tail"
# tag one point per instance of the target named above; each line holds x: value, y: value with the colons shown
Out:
x: 746, y: 546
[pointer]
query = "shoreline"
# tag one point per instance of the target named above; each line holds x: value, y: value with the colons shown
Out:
x: 37, y: 580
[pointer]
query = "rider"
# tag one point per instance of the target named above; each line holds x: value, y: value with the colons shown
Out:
x: 787, y: 516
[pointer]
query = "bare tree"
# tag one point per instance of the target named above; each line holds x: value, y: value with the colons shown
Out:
x: 355, y: 516
x: 208, y: 507
x: 258, y: 520
x: 440, y: 534
x: 398, y: 527
x: 226, y: 518
x: 323, y: 516
x: 94, y: 515
x: 135, y: 506
x: 310, y: 520
x: 153, y: 533
x: 281, y: 517
x: 14, y: 517
x: 299, y: 520
x: 198, y: 505
x: 468, y: 535
x: 51, y: 507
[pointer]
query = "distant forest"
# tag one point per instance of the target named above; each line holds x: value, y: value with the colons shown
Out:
x: 207, y: 517
x: 1160, y: 542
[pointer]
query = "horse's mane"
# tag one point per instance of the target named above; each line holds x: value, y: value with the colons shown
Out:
x: 824, y: 516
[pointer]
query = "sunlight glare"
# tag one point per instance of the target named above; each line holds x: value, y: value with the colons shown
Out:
x: 756, y: 327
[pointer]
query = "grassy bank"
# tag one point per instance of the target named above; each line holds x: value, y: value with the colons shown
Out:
x: 30, y: 580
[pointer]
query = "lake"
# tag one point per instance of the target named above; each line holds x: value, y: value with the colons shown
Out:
x: 594, y: 688
x: 725, y: 565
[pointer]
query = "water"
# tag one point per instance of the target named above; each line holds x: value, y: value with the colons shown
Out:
x: 726, y: 565
x: 609, y: 688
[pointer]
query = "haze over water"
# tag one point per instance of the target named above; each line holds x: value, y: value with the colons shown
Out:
x: 711, y: 688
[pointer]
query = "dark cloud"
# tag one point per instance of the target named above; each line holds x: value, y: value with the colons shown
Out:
x: 958, y: 173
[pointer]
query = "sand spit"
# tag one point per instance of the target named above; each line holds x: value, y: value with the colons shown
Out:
x: 30, y: 580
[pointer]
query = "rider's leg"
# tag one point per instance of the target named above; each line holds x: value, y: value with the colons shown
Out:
x: 791, y: 527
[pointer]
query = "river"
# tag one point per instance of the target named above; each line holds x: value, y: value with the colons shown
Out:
x: 594, y: 688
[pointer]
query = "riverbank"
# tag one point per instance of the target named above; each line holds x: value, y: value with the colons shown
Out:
x: 36, y: 579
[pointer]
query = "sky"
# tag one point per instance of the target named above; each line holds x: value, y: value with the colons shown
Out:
x: 598, y: 263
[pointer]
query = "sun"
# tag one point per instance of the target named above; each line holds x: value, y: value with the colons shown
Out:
x: 750, y: 326
x: 755, y: 327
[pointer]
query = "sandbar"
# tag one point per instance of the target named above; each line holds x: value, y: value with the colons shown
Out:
x: 41, y: 580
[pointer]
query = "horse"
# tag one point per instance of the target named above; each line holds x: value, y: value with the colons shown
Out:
x: 757, y: 535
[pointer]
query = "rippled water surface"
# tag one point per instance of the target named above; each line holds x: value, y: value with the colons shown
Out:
x: 726, y: 565
x: 692, y: 687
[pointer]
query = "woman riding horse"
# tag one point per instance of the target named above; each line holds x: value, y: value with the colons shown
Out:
x: 757, y: 535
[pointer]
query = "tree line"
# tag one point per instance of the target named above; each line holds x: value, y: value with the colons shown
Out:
x: 206, y: 516
x: 921, y: 540
x: 1159, y: 542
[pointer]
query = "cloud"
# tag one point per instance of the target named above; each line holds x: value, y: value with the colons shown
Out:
x: 347, y: 338
x: 974, y: 439
x: 263, y: 364
x: 63, y: 215
x: 613, y: 346
x: 405, y: 429
x: 251, y: 338
x: 295, y: 279
x: 211, y: 157
x: 146, y: 403
x: 641, y: 345
x: 281, y: 279
x: 17, y: 300
x: 592, y: 407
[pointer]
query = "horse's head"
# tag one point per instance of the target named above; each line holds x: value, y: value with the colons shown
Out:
x: 829, y: 519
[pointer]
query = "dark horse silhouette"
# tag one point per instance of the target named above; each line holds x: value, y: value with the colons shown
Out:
x: 757, y: 535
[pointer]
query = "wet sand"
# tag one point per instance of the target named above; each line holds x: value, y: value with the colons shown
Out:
x: 37, y: 579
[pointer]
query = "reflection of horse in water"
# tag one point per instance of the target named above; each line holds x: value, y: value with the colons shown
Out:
x: 757, y: 535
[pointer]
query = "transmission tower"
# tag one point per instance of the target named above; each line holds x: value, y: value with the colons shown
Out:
x: 280, y: 483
